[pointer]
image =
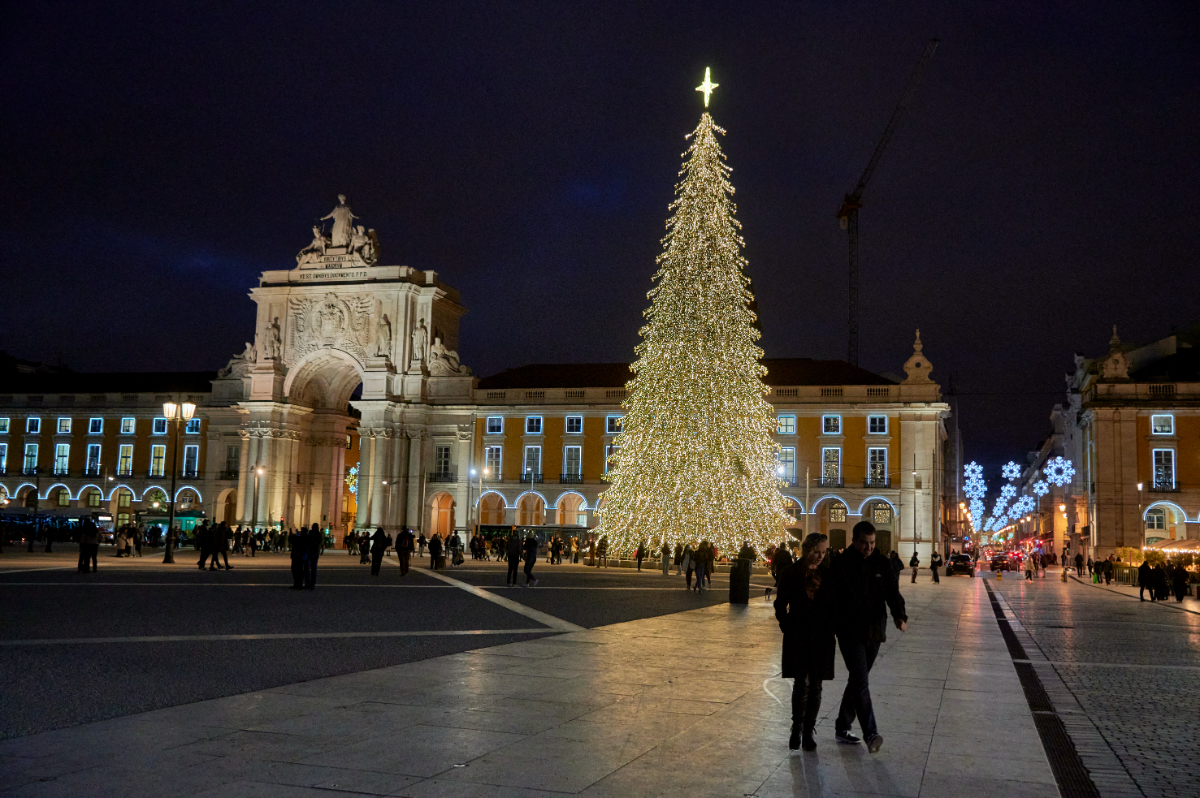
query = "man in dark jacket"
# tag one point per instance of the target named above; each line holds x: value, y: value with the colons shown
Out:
x: 531, y: 550
x: 379, y: 544
x: 864, y: 588
x: 298, y: 549
x: 220, y: 544
x: 512, y: 553
x: 204, y: 543
x: 1145, y: 581
x: 314, y: 544
x: 404, y: 549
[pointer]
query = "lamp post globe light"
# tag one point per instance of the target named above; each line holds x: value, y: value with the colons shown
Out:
x: 178, y: 413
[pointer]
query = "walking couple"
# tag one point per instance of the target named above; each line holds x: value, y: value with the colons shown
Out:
x: 847, y: 597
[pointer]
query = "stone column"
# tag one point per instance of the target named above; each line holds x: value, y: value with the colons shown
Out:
x: 413, y: 510
x: 266, y: 461
x: 366, y: 457
x: 379, y: 460
x: 243, y: 477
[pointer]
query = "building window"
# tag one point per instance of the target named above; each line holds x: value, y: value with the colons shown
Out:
x: 787, y: 461
x: 609, y: 452
x: 786, y: 425
x: 30, y: 464
x: 160, y: 426
x: 574, y: 425
x: 93, y: 498
x: 349, y: 443
x: 3, y: 426
x: 1164, y: 468
x: 492, y: 461
x: 64, y: 498
x: 573, y: 461
x: 3, y: 457
x: 128, y: 425
x: 124, y: 498
x: 495, y: 425
x: 533, y: 461
x: 62, y: 453
x: 125, y: 460
x: 441, y: 460
x: 93, y: 459
x: 877, y: 425
x: 95, y: 426
x: 193, y: 427
x: 881, y: 514
x: 233, y: 455
x: 33, y: 425
x: 122, y: 519
x: 613, y: 425
x: 831, y: 466
x: 877, y: 467
x: 64, y: 426
x: 1162, y: 425
x: 191, y: 460
x: 837, y: 513
x: 533, y: 425
x: 158, y: 459
x: 831, y: 425
x: 1156, y: 519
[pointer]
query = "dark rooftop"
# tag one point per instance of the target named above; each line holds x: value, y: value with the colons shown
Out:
x: 780, y: 371
x: 1183, y: 366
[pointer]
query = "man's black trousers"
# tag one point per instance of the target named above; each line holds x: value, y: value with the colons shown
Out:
x: 858, y: 655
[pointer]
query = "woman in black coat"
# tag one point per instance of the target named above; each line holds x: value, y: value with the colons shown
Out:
x: 802, y: 609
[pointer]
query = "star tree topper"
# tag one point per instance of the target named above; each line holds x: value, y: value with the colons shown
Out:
x: 707, y: 86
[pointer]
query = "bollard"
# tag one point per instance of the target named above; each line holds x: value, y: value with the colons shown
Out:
x: 1064, y: 575
x: 999, y: 576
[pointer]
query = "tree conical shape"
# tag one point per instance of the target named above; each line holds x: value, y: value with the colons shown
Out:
x: 695, y: 459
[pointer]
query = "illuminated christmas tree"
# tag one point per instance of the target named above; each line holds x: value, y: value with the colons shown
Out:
x: 695, y: 459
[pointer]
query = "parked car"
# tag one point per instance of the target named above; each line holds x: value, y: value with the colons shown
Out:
x: 960, y: 564
x: 1001, y: 563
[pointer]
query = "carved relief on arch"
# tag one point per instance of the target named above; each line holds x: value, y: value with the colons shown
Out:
x: 331, y: 322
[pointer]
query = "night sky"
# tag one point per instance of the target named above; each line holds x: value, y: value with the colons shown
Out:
x: 158, y: 156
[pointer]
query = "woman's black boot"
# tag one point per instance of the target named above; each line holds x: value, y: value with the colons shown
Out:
x: 794, y: 739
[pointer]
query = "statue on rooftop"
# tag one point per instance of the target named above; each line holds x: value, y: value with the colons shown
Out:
x: 343, y: 223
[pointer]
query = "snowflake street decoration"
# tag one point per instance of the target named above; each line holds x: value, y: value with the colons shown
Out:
x: 1023, y: 505
x: 1041, y: 488
x: 1058, y: 471
x: 1011, y: 470
x: 973, y: 470
x: 977, y: 508
x: 975, y: 488
x: 352, y: 479
x: 1008, y: 491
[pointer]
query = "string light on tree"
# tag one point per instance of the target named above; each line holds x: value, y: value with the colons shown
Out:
x: 695, y: 458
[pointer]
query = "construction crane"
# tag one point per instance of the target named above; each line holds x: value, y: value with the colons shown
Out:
x: 848, y: 213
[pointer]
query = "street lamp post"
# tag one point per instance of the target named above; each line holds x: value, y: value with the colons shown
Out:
x: 470, y: 510
x: 1141, y: 522
x: 177, y: 413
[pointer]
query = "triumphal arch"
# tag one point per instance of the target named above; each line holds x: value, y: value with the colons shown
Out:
x: 342, y: 335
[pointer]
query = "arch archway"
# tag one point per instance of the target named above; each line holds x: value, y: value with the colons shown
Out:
x: 531, y: 510
x: 1164, y: 521
x: 492, y: 509
x: 572, y: 509
x: 441, y: 514
x: 226, y: 506
x: 324, y: 380
x: 187, y: 499
x: 91, y: 497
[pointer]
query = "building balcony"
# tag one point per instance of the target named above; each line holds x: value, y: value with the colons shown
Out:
x: 831, y: 483
x: 877, y: 482
x: 229, y: 474
x: 1164, y: 487
x: 570, y: 479
x: 186, y: 474
x: 529, y: 478
x: 92, y: 470
x: 443, y: 476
